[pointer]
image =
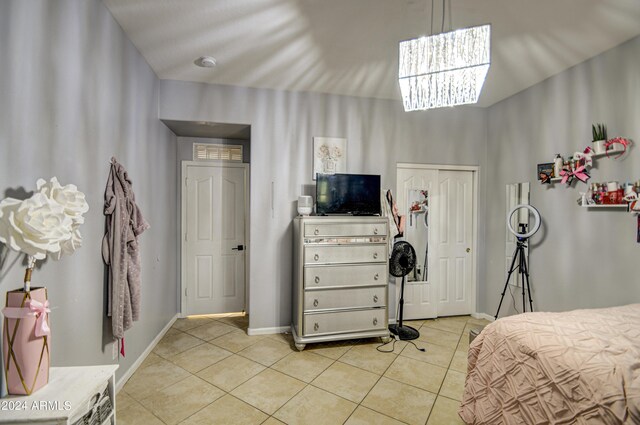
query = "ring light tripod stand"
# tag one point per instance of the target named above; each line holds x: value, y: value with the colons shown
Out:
x: 520, y: 256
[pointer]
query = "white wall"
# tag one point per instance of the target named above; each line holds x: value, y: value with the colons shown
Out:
x: 581, y: 258
x: 379, y: 134
x: 74, y: 91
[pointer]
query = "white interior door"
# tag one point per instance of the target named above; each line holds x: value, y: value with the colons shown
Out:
x: 446, y: 285
x: 214, y: 226
x: 455, y: 241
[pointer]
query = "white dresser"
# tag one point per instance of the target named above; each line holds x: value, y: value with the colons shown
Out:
x: 340, y: 283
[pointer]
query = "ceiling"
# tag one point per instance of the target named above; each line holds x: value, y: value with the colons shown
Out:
x: 350, y: 47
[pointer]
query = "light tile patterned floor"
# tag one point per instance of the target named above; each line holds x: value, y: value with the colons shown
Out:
x: 207, y: 370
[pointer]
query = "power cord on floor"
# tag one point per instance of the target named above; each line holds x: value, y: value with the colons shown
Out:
x: 395, y: 338
x: 393, y: 347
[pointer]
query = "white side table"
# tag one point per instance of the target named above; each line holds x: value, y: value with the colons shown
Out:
x: 71, y: 394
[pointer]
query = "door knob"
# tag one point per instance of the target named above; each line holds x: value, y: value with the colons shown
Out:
x: 468, y: 249
x: 238, y: 248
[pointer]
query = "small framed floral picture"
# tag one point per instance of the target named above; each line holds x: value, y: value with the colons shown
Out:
x: 329, y: 155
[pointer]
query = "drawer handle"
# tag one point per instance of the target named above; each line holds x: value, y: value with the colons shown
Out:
x: 315, y: 303
x: 316, y: 327
x: 375, y: 321
x: 375, y: 231
x: 375, y: 298
x: 375, y: 255
x: 317, y: 231
x: 376, y: 276
x: 316, y: 257
x: 317, y: 279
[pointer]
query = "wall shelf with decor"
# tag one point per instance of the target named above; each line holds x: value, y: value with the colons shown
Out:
x: 578, y: 164
x: 605, y: 195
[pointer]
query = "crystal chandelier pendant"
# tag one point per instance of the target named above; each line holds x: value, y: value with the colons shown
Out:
x: 445, y: 69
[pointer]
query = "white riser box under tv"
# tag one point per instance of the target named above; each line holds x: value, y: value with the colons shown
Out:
x: 340, y: 282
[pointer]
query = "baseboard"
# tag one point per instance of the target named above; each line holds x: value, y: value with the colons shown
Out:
x: 268, y: 331
x: 484, y: 316
x: 124, y: 378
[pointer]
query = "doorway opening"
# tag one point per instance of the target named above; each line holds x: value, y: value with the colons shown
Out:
x: 214, y: 239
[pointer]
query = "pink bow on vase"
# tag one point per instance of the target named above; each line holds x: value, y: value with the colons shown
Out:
x: 32, y: 308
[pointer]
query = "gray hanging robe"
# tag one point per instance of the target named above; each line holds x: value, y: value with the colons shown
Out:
x: 120, y: 250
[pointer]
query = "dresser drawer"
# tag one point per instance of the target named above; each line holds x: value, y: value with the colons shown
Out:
x: 340, y: 254
x: 345, y: 298
x: 346, y: 229
x: 352, y: 275
x: 344, y: 321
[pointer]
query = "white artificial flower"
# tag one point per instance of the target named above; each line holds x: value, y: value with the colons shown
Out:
x: 8, y: 208
x: 68, y: 196
x: 36, y: 226
x: 69, y: 246
x: 45, y: 224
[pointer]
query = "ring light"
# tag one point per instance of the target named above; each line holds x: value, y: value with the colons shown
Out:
x: 535, y: 227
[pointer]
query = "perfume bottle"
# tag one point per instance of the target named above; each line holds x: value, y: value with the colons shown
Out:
x: 557, y: 165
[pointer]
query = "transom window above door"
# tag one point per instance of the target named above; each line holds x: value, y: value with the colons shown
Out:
x: 215, y: 152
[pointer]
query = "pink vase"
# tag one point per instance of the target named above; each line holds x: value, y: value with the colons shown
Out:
x: 26, y: 356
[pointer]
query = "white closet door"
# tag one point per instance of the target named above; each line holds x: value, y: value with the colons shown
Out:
x: 419, y: 295
x: 453, y: 257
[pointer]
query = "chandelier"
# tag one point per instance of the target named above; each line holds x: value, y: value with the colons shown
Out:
x: 444, y: 69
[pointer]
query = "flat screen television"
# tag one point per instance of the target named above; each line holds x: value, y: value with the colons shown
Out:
x: 353, y: 194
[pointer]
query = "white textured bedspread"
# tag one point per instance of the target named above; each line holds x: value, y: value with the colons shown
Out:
x: 578, y: 367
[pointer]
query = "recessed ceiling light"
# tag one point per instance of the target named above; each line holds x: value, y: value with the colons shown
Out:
x: 205, y: 61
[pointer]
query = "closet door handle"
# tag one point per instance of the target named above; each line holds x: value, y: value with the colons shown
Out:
x: 375, y: 298
x: 376, y: 276
x: 375, y: 231
x: 316, y: 326
x: 375, y: 321
x: 315, y: 303
x: 317, y: 279
x: 316, y: 257
x: 375, y: 255
x: 317, y: 231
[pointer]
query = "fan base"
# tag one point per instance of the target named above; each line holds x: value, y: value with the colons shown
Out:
x: 405, y: 333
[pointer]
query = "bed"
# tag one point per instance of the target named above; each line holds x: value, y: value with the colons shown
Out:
x: 577, y: 367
